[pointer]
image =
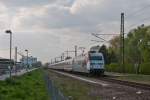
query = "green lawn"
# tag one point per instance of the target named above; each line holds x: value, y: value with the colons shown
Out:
x: 30, y: 86
x: 75, y: 89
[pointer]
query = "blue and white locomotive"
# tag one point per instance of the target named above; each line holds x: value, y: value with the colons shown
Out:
x: 91, y: 62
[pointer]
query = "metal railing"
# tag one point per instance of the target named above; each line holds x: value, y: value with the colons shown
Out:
x: 53, y: 91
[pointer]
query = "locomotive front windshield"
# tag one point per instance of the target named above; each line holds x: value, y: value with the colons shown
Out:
x: 96, y: 58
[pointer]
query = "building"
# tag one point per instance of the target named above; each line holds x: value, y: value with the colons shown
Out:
x: 28, y: 61
x: 4, y: 63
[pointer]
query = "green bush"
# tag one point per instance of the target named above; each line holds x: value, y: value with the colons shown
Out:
x: 30, y: 86
x: 11, y: 81
x: 113, y: 67
x: 145, y: 68
x: 129, y: 68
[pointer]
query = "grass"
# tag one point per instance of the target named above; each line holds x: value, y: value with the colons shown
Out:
x: 136, y: 78
x: 74, y: 89
x: 30, y: 86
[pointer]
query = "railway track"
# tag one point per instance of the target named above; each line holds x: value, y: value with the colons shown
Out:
x: 127, y: 83
x: 112, y: 80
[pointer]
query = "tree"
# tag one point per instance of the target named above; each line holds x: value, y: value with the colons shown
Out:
x: 112, y: 56
x: 137, y: 49
x: 114, y: 48
x: 103, y: 49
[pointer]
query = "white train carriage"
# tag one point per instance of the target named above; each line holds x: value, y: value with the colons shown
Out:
x: 89, y: 63
x: 63, y: 65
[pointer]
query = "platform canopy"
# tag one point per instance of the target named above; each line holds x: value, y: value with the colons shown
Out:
x: 5, y: 61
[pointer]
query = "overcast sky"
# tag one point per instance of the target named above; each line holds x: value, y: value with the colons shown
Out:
x: 48, y: 27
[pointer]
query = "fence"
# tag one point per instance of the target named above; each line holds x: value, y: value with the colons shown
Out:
x: 53, y: 91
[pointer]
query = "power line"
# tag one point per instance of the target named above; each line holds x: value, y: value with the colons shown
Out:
x: 138, y: 11
x: 107, y: 34
x: 136, y: 24
x: 135, y: 14
x: 98, y: 37
x: 7, y: 49
x: 100, y: 41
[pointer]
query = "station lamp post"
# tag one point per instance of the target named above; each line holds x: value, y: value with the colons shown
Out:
x: 10, y: 66
x: 27, y: 59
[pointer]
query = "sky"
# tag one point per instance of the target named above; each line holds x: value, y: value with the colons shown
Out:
x: 47, y: 28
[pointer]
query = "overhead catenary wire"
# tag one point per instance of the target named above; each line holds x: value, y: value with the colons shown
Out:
x: 100, y: 41
x: 98, y: 37
x: 128, y: 16
x: 138, y: 23
x: 108, y: 34
x: 134, y: 14
x: 5, y: 49
x: 137, y: 11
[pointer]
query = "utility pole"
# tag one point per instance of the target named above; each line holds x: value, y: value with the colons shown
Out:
x: 15, y: 59
x: 76, y: 50
x: 19, y: 53
x: 27, y: 59
x: 62, y: 56
x: 55, y: 60
x: 67, y: 53
x: 122, y: 42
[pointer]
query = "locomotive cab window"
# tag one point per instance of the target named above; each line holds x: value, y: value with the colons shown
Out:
x: 95, y: 58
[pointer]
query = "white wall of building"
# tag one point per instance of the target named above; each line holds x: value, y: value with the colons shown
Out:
x: 30, y: 62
